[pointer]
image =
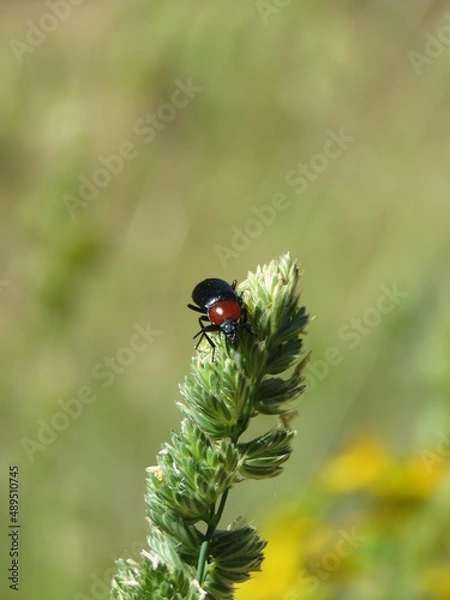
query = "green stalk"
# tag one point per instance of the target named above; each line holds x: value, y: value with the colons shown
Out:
x: 204, y: 460
x: 203, y: 556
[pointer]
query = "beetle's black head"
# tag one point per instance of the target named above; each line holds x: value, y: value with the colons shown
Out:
x: 229, y: 327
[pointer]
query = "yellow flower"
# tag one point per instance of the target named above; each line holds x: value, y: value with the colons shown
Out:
x: 282, y: 561
x: 357, y: 468
x: 367, y: 465
x: 408, y: 480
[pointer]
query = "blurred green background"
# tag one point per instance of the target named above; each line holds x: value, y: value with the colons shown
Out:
x: 81, y: 270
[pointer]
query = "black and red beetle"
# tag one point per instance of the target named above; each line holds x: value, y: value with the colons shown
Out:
x: 221, y: 307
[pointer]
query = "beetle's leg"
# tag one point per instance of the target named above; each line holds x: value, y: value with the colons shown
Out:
x: 202, y: 326
x: 203, y: 333
x: 206, y: 328
x: 196, y: 308
x: 247, y: 327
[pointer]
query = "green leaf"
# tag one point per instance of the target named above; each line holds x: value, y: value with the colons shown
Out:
x: 264, y: 456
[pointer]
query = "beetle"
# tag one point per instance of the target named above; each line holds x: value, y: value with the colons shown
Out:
x: 221, y: 307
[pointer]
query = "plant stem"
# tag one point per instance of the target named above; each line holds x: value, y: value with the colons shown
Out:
x: 212, y: 526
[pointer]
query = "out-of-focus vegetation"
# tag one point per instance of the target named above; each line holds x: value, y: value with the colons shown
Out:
x: 371, y: 525
x: 81, y: 285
